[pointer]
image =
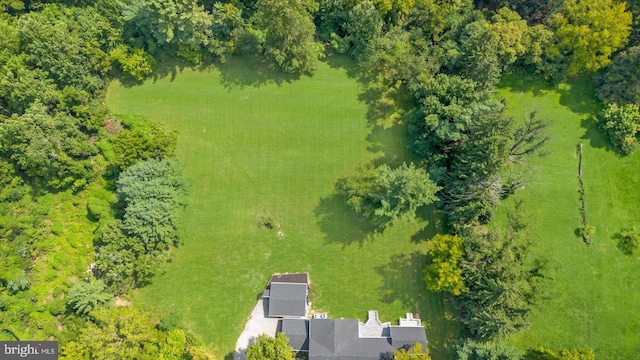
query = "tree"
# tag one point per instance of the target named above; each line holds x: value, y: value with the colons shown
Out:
x: 162, y: 24
x: 478, y: 49
x: 499, y: 350
x: 415, y: 352
x: 49, y: 149
x: 535, y: 11
x: 620, y: 81
x: 141, y: 139
x: 152, y: 190
x: 364, y: 24
x: 88, y: 296
x: 134, y: 62
x: 129, y: 333
x: 587, y: 32
x: 265, y: 347
x: 501, y: 279
x: 443, y: 273
x: 290, y: 32
x: 620, y: 124
x: 383, y: 195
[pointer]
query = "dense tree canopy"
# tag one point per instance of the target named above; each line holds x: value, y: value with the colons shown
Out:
x: 290, y: 34
x: 620, y: 81
x: 588, y: 32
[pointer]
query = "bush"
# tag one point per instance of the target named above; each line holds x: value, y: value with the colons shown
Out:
x: 135, y: 63
x: 86, y: 297
x: 620, y: 124
x: 629, y: 241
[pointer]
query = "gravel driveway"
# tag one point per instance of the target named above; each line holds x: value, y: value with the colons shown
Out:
x: 258, y: 324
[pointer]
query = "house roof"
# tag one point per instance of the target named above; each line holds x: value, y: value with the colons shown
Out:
x: 407, y: 336
x: 297, y: 330
x: 299, y: 278
x: 338, y: 339
x: 287, y: 299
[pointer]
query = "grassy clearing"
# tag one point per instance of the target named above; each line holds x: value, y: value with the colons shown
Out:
x: 592, y: 299
x: 257, y: 144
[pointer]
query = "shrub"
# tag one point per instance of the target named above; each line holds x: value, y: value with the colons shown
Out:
x: 86, y: 297
x: 620, y: 124
x: 629, y: 241
x: 135, y: 63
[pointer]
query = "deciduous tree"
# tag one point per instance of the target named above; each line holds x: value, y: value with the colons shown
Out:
x: 266, y: 347
x: 587, y: 32
x: 290, y: 33
x: 443, y: 273
x: 383, y: 195
x: 621, y: 124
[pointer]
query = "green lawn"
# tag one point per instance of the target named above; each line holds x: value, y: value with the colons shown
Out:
x: 592, y: 300
x: 257, y: 144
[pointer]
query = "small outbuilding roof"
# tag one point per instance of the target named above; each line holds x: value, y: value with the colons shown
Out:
x: 287, y: 300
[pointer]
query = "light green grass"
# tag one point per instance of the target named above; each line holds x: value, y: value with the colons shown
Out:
x: 592, y: 299
x: 259, y: 145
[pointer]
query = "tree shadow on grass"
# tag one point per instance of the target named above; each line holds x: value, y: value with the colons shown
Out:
x: 340, y: 224
x: 578, y: 96
x: 435, y: 224
x: 523, y: 83
x: 342, y: 62
x: 403, y: 282
x: 595, y: 136
x: 238, y: 72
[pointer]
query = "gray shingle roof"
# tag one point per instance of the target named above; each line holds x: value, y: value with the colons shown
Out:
x: 297, y: 330
x: 338, y: 339
x: 287, y: 299
x: 407, y: 336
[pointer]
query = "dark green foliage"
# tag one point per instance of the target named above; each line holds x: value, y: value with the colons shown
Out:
x: 535, y: 11
x: 289, y: 34
x: 476, y: 55
x: 384, y: 195
x: 88, y: 296
x: 152, y: 190
x: 265, y: 347
x: 141, y: 139
x: 364, y: 24
x: 50, y: 149
x: 501, y: 279
x: 461, y: 131
x: 495, y: 350
x: 620, y: 81
x: 227, y: 25
x: 394, y: 58
x: 620, y: 124
x: 69, y: 44
x: 163, y: 25
x: 629, y: 241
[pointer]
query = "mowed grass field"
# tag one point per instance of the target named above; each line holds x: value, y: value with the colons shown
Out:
x: 259, y: 145
x: 592, y: 299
